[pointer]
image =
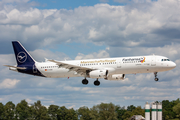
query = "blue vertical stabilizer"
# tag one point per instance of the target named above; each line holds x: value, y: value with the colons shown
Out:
x: 21, y: 55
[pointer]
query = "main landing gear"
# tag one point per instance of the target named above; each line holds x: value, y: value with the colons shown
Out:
x: 85, y: 82
x: 155, y: 75
x: 96, y: 83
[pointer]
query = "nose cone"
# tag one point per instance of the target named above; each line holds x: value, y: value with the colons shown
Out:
x: 172, y: 65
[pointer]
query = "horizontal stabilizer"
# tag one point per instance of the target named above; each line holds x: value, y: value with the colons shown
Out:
x: 21, y: 68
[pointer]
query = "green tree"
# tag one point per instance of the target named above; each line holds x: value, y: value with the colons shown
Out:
x: 65, y: 114
x: 72, y: 114
x: 94, y: 113
x: 9, y: 110
x: 53, y: 111
x: 176, y: 109
x: 62, y: 112
x: 120, y: 112
x: 138, y: 111
x: 167, y: 109
x: 84, y: 113
x: 127, y: 115
x: 1, y: 111
x: 167, y: 117
x: 22, y: 110
x: 131, y: 108
x: 106, y: 111
x: 39, y: 112
x: 31, y: 113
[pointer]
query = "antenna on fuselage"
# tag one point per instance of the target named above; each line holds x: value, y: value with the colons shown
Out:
x: 46, y: 60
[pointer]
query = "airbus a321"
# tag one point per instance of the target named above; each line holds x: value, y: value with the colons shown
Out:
x: 106, y: 68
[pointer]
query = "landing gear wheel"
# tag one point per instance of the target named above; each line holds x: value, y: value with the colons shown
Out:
x: 96, y: 83
x: 85, y: 81
x: 156, y: 79
x: 155, y: 75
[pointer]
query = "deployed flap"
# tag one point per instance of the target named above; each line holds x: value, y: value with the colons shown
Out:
x: 21, y: 68
x: 78, y: 69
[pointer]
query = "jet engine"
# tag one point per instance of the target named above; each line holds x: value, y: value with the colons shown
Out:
x: 116, y: 77
x: 98, y: 74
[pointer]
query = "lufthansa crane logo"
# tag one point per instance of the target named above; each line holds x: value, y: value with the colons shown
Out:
x: 21, y: 57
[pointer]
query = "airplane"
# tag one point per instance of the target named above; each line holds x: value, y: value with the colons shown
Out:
x: 106, y: 68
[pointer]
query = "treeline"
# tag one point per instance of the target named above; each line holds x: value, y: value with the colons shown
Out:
x: 103, y: 111
x: 171, y: 110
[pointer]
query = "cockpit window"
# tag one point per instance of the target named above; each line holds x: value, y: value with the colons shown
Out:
x: 165, y: 60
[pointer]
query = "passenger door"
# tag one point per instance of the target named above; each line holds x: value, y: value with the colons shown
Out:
x: 153, y: 61
x: 119, y: 63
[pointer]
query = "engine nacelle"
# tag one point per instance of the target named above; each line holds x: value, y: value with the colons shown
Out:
x: 116, y: 77
x: 98, y: 74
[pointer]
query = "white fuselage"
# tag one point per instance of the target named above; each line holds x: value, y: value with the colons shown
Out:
x: 120, y: 65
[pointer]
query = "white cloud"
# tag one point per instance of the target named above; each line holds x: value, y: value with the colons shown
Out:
x: 100, y: 54
x: 16, y: 17
x: 28, y: 100
x: 40, y: 54
x: 131, y: 98
x: 7, y: 59
x: 119, y: 26
x: 69, y: 88
x: 73, y: 106
x: 8, y: 83
x: 92, y: 33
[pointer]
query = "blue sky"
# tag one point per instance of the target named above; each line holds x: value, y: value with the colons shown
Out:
x: 71, y: 4
x: 106, y: 28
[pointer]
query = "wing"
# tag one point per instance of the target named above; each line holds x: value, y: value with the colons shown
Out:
x: 21, y: 68
x: 79, y: 69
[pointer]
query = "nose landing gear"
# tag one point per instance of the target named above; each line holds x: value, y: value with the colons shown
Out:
x: 155, y: 75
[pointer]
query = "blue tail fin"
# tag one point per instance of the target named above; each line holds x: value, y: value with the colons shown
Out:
x: 21, y: 55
